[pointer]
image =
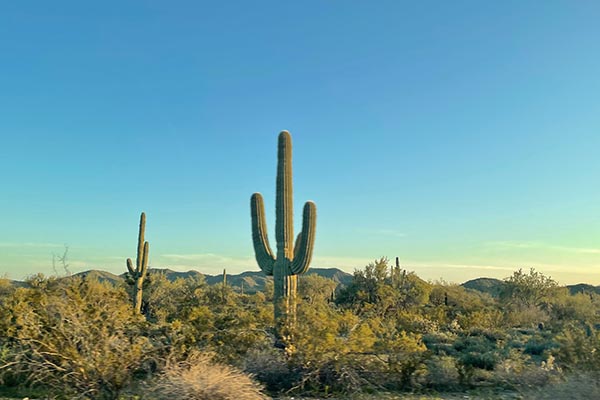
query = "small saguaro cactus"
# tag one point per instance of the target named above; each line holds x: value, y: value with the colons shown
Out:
x: 395, y: 274
x: 224, y: 286
x: 141, y: 266
x: 291, y: 259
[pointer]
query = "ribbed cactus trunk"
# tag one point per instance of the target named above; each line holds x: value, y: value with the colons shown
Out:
x: 291, y: 259
x: 141, y: 266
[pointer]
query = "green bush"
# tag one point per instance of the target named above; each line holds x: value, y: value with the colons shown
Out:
x: 74, y: 337
x: 441, y: 373
x: 537, y: 346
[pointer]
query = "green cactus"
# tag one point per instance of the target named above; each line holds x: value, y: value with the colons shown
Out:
x: 139, y: 273
x: 291, y: 259
x: 224, y: 286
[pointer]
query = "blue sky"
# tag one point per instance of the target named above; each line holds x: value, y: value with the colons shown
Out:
x: 461, y: 136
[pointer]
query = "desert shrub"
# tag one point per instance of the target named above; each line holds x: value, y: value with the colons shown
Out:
x: 313, y: 288
x: 440, y: 343
x: 536, y: 346
x: 524, y: 290
x: 525, y: 316
x: 378, y: 292
x: 349, y: 374
x: 481, y: 319
x: 404, y: 354
x: 578, y: 349
x: 199, y: 378
x: 518, y: 371
x: 475, y: 353
x: 320, y: 353
x: 270, y: 367
x: 75, y: 337
x: 441, y: 373
x: 416, y: 322
x: 578, y: 307
x: 214, y: 318
x: 473, y: 359
x: 166, y: 301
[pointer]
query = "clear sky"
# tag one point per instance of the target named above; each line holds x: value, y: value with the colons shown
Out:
x: 462, y: 136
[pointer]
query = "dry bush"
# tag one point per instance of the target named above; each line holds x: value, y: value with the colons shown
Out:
x: 199, y: 378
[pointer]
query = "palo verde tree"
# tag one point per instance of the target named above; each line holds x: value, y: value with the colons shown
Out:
x: 530, y: 289
x: 138, y: 274
x: 291, y: 259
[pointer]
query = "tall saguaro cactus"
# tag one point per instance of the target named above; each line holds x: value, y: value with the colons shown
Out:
x: 291, y: 259
x: 141, y: 266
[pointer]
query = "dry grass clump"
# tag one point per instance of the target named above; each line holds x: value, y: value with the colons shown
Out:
x: 199, y: 378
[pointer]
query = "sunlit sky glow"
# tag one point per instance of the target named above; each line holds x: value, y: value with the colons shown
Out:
x: 463, y: 136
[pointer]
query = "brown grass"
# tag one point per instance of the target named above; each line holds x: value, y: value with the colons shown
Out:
x: 199, y: 378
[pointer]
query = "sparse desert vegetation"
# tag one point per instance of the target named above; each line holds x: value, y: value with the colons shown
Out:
x: 387, y: 331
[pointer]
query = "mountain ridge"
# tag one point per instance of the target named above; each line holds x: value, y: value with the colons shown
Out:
x: 251, y: 281
x: 254, y: 281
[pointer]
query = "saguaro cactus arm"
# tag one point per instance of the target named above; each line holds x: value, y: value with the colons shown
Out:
x: 297, y: 244
x: 144, y: 265
x: 130, y: 268
x: 142, y: 268
x: 262, y: 250
x: 306, y: 240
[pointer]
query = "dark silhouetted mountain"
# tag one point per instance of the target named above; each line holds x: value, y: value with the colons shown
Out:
x: 491, y: 286
x: 173, y: 275
x: 252, y: 281
x: 255, y: 281
x: 583, y: 288
x: 336, y: 275
x: 101, y: 276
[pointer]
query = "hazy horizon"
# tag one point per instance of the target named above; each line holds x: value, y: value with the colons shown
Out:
x: 461, y: 137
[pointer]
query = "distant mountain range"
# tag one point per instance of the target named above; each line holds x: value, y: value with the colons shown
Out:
x: 254, y: 281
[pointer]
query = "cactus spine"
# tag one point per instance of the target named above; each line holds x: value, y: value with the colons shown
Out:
x: 141, y: 266
x: 291, y: 259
